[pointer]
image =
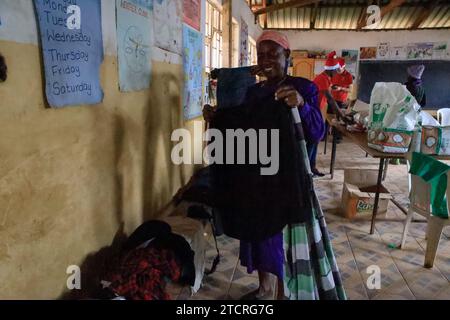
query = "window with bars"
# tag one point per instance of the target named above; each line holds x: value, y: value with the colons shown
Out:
x: 213, y: 37
x: 252, y: 55
x: 235, y: 39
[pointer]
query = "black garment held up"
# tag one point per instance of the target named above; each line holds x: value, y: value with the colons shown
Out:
x: 252, y: 206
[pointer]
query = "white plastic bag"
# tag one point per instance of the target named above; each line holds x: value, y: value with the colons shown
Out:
x: 427, y: 119
x: 393, y: 117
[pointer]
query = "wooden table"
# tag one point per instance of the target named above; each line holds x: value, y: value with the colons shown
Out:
x: 360, y: 139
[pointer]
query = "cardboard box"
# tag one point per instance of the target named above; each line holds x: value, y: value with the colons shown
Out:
x: 358, y: 194
x: 435, y: 140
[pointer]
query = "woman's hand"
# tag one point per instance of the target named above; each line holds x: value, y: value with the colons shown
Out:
x: 290, y: 96
x: 209, y: 112
x: 346, y: 118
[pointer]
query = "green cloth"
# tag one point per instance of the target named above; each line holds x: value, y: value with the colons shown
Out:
x: 310, y: 268
x: 433, y: 172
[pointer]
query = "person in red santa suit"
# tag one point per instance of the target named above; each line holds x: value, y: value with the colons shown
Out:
x: 326, y: 102
x: 324, y: 83
x: 341, y: 83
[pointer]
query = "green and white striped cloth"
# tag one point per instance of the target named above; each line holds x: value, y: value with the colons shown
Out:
x: 310, y: 268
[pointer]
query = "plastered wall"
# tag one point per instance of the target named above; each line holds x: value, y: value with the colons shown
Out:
x: 71, y: 177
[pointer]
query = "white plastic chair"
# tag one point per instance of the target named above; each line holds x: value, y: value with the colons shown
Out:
x: 443, y: 116
x: 420, y: 203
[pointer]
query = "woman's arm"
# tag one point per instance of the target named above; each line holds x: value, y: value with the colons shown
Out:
x: 423, y: 103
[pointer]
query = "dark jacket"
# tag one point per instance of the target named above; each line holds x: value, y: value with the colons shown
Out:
x: 254, y: 207
x: 415, y: 87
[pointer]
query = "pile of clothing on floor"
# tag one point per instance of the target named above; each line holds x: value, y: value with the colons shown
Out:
x: 152, y: 256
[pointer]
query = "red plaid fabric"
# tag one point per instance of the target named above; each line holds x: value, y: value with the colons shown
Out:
x: 142, y: 272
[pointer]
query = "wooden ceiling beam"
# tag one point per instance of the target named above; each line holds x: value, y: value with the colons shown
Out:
x: 391, y: 6
x: 279, y: 6
x: 362, y: 15
x: 314, y: 15
x: 427, y: 10
x: 384, y: 11
x: 265, y: 14
x: 361, y: 5
x: 256, y: 7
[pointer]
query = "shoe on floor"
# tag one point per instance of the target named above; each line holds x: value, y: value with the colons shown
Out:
x: 317, y: 174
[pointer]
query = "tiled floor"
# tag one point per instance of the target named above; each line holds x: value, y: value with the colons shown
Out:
x: 402, y: 273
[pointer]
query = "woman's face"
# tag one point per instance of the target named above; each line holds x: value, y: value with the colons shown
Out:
x: 272, y: 59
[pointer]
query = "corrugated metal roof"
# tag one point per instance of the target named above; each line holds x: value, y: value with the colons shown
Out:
x: 344, y: 15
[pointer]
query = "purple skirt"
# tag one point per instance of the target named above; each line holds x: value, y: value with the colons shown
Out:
x: 265, y: 256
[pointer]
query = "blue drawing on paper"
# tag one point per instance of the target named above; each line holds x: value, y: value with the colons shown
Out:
x: 134, y: 31
x: 192, y: 65
x: 72, y: 57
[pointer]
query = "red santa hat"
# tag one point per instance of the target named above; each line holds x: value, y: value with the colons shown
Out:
x: 332, y: 62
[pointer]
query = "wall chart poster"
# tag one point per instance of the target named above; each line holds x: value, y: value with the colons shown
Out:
x: 383, y: 50
x: 366, y: 53
x: 192, y: 10
x: 192, y: 65
x: 168, y: 24
x: 134, y: 35
x: 398, y: 52
x: 351, y: 60
x: 243, y: 47
x: 420, y: 51
x: 440, y: 50
x: 72, y: 49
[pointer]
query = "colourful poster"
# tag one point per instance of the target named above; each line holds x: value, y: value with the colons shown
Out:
x: 351, y: 61
x: 440, y: 50
x: 72, y: 48
x: 243, y: 54
x: 366, y: 53
x: 167, y: 24
x: 192, y: 13
x: 420, y: 51
x: 193, y: 68
x: 134, y: 34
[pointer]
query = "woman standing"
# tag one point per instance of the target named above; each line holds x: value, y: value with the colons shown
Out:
x: 267, y: 256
